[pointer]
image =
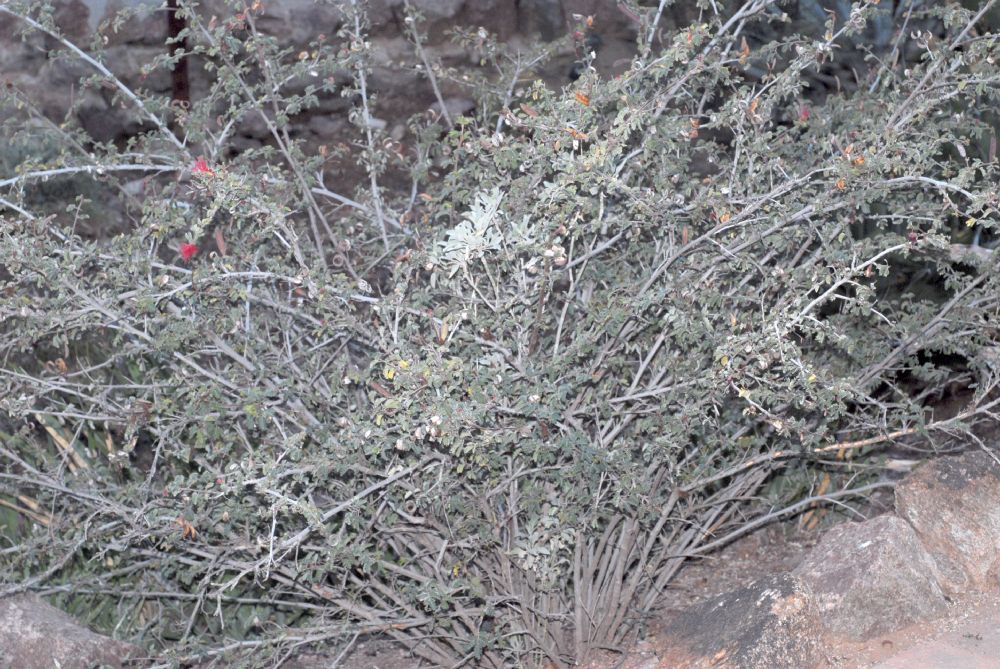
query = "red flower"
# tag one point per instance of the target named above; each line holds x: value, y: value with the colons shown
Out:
x: 201, y: 167
x: 188, y: 251
x: 803, y: 113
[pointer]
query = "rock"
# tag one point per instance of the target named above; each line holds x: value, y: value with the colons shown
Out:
x: 19, y: 54
x: 499, y: 17
x: 36, y: 635
x: 546, y: 18
x: 146, y: 23
x: 72, y: 18
x: 385, y: 12
x: 55, y: 87
x: 392, y: 62
x: 327, y: 126
x: 456, y: 106
x: 651, y: 663
x: 770, y: 624
x: 870, y: 578
x: 126, y: 62
x: 398, y: 82
x: 396, y: 86
x: 252, y: 123
x: 239, y: 144
x: 297, y: 23
x: 953, y: 503
x: 105, y: 123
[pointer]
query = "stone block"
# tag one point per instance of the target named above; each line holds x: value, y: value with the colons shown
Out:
x: 36, y: 635
x: 770, y: 624
x: 953, y: 503
x: 871, y: 578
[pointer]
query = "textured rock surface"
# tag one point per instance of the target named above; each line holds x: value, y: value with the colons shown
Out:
x: 953, y: 503
x: 395, y: 83
x: 36, y: 635
x: 770, y: 624
x: 872, y: 577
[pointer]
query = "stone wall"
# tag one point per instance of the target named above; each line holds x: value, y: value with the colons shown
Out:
x: 34, y: 65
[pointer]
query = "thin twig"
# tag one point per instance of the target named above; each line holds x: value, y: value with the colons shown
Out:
x: 411, y: 22
x: 366, y: 122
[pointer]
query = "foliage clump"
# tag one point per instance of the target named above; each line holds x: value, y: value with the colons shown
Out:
x: 488, y: 415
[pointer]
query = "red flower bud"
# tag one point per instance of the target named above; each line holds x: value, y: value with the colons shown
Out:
x: 201, y: 167
x: 188, y: 251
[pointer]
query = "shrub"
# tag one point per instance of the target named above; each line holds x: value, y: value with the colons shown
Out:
x: 488, y: 416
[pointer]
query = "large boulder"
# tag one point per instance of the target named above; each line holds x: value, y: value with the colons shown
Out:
x: 953, y: 504
x: 871, y: 578
x: 36, y: 635
x: 770, y: 624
